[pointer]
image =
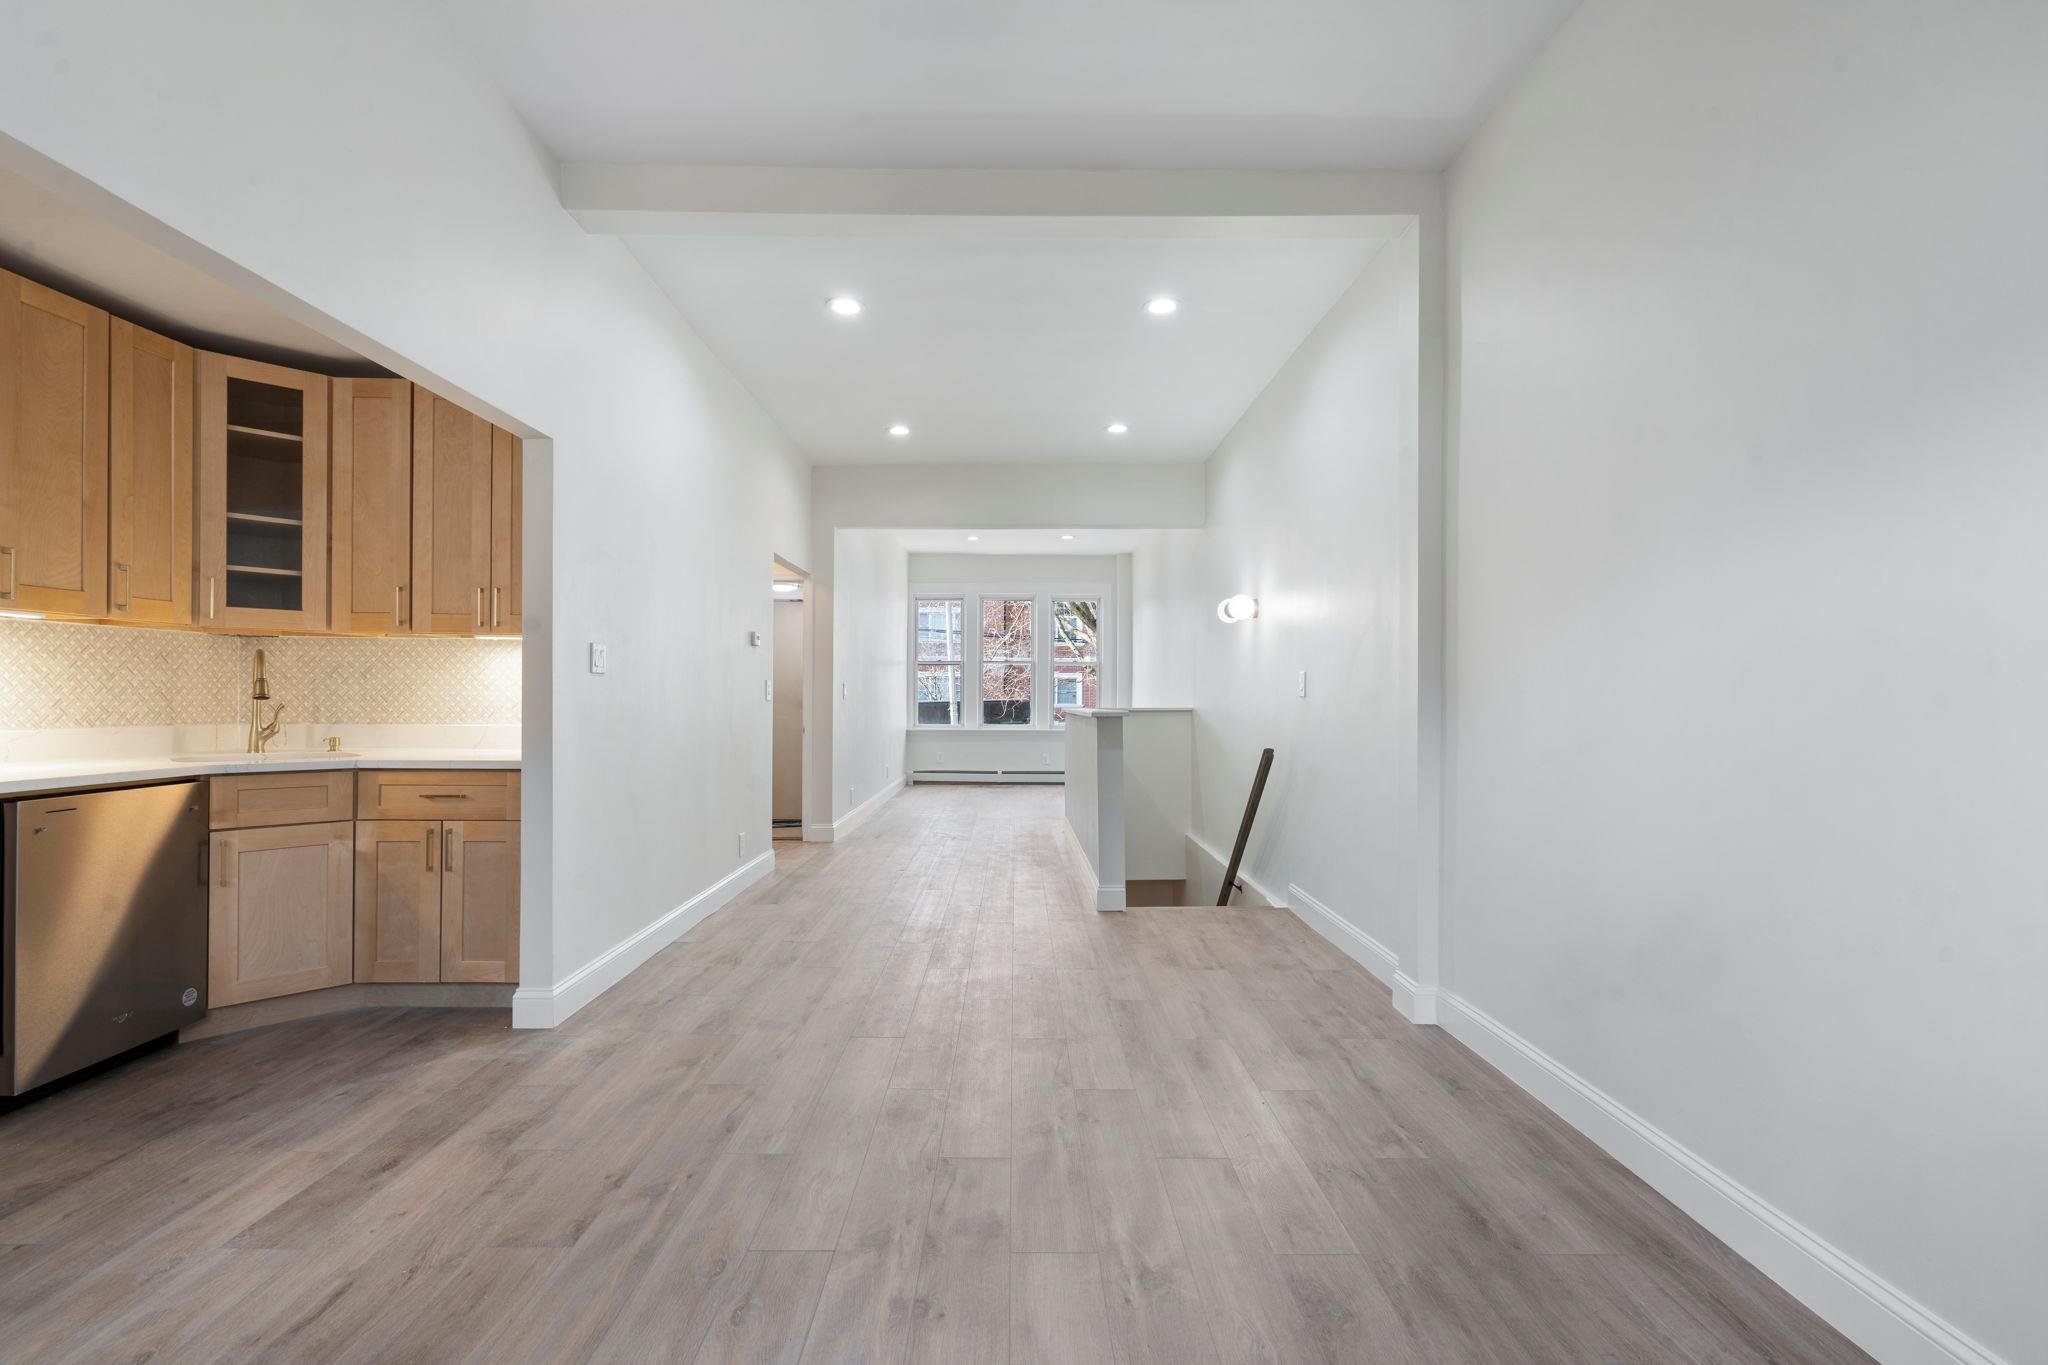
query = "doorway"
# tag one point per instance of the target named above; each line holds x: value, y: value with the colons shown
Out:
x: 786, y: 802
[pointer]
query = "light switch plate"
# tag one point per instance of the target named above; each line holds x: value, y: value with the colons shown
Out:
x: 599, y: 657
x: 1301, y: 683
x: 767, y: 689
x: 754, y: 638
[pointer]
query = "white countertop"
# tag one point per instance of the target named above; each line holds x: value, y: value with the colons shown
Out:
x: 57, y: 775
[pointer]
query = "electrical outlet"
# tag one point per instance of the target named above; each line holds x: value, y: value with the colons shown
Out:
x: 599, y: 657
x: 1301, y: 683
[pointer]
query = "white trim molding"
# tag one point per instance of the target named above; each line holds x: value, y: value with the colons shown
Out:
x: 847, y: 823
x: 1244, y: 878
x: 1361, y: 947
x: 1859, y: 1303
x: 547, y: 1006
x: 1416, y: 1001
x: 1111, y: 896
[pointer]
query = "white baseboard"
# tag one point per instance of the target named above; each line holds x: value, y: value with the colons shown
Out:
x: 1361, y: 947
x: 1416, y: 1002
x: 547, y: 1006
x: 1109, y: 897
x: 847, y: 823
x: 1845, y: 1293
x: 1859, y: 1303
x: 1244, y: 878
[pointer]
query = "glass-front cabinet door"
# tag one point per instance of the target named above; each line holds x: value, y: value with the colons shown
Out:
x: 262, y: 552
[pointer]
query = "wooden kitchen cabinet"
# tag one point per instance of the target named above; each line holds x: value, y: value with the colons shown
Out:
x: 437, y: 900
x: 150, y: 424
x: 53, y: 451
x: 480, y: 900
x: 398, y: 900
x: 261, y: 546
x: 282, y: 912
x: 451, y: 517
x: 508, y: 561
x: 370, y: 567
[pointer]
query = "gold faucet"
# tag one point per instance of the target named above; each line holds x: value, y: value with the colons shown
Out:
x: 261, y: 733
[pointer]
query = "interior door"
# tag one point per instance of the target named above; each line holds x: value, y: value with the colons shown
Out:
x: 53, y: 451
x: 480, y: 901
x: 149, y: 477
x: 398, y: 900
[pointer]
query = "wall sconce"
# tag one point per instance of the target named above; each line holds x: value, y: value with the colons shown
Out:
x: 1242, y: 607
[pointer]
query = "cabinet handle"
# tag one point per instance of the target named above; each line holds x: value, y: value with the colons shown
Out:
x: 227, y: 864
x: 430, y: 851
x: 479, y: 608
x: 448, y: 849
x: 397, y: 597
x: 121, y: 603
x: 209, y: 597
x: 497, y: 601
x: 8, y: 550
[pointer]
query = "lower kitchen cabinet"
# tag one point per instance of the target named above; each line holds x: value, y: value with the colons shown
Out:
x: 437, y: 900
x: 480, y: 901
x: 398, y: 900
x: 282, y: 914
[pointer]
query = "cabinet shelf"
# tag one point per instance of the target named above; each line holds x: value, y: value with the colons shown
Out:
x: 260, y: 519
x: 267, y: 573
x: 266, y: 433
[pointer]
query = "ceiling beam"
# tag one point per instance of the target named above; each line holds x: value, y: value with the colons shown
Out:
x: 687, y: 200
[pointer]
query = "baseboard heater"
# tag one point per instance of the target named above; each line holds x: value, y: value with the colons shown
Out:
x: 999, y: 775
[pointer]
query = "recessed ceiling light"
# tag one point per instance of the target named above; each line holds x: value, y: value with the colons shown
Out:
x: 974, y: 537
x: 1116, y: 428
x: 845, y: 305
x: 787, y: 587
x: 899, y: 430
x: 1066, y: 537
x: 1162, y: 307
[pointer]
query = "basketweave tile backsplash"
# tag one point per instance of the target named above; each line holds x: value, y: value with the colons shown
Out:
x: 63, y: 675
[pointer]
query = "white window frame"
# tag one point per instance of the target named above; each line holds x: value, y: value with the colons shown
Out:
x: 1042, y: 597
x: 916, y: 662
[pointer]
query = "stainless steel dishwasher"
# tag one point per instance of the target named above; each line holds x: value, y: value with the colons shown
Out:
x: 105, y: 924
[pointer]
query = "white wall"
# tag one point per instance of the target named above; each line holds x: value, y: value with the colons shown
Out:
x: 1750, y: 764
x: 360, y: 175
x: 1312, y: 509
x: 871, y: 670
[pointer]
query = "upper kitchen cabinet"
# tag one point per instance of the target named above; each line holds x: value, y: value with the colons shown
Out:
x: 149, y: 477
x: 373, y: 498
x: 451, y: 517
x: 508, y: 567
x: 262, y: 542
x: 53, y: 451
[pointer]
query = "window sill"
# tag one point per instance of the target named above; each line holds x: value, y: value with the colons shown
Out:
x: 1039, y: 730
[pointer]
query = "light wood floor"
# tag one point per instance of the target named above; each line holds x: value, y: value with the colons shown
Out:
x: 908, y: 1101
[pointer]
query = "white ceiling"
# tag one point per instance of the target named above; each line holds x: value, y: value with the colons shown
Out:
x: 58, y: 244
x: 1001, y: 347
x: 1256, y: 84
